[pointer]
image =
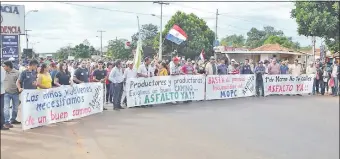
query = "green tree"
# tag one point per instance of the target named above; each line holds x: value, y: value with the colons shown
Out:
x: 116, y: 49
x: 200, y: 36
x: 283, y: 41
x: 257, y: 37
x: 62, y: 53
x: 148, y: 34
x: 233, y: 40
x: 320, y: 19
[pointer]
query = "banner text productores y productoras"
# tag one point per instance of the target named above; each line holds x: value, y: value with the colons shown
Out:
x: 44, y: 107
x: 164, y: 89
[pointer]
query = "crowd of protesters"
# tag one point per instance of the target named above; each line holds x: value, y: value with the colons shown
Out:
x: 47, y: 73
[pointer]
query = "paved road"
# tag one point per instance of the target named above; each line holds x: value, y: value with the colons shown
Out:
x: 279, y: 127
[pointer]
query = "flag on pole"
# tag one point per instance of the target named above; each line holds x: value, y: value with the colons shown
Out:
x: 139, y: 50
x: 202, y: 55
x: 176, y: 35
x: 138, y: 55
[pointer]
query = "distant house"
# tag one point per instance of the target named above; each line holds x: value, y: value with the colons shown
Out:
x: 262, y: 53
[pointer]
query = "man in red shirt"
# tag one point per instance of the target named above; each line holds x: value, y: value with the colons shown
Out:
x: 109, y: 93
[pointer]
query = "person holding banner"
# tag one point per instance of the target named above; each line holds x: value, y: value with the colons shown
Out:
x: 129, y: 72
x: 81, y: 75
x: 260, y: 70
x: 44, y: 80
x: 63, y: 76
x: 211, y: 67
x: 117, y: 78
x: 28, y: 77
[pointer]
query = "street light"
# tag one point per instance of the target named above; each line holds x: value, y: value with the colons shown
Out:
x: 30, y: 11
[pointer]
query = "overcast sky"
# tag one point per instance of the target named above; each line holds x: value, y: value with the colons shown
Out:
x: 57, y: 24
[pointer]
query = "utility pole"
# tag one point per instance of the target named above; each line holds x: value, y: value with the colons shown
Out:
x: 27, y: 38
x: 101, y: 41
x: 160, y: 30
x: 216, y: 32
x: 216, y: 24
x: 313, y: 47
x: 69, y: 49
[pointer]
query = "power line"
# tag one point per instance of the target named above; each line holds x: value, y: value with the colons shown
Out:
x: 100, y: 8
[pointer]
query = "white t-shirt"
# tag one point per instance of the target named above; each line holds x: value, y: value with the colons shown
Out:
x: 334, y: 71
x: 145, y: 70
x: 130, y: 73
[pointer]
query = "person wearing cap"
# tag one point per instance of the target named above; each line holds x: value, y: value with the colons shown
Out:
x: 259, y: 70
x: 231, y: 66
x: 117, y: 78
x: 129, y: 72
x: 211, y: 67
x: 174, y: 67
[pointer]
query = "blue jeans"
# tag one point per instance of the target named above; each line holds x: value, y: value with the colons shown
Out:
x: 15, y: 101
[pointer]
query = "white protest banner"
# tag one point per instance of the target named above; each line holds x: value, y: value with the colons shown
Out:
x: 287, y: 84
x: 229, y: 86
x: 47, y: 106
x: 164, y: 89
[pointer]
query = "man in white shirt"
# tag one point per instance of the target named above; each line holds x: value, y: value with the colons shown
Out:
x: 145, y: 70
x: 296, y: 68
x: 335, y: 76
x: 128, y: 73
x: 117, y: 79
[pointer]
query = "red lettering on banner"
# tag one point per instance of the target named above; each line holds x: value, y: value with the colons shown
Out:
x: 299, y: 87
x: 42, y: 120
x: 216, y: 80
x: 58, y: 116
x: 10, y: 30
x: 280, y: 88
x: 241, y: 79
x: 30, y: 121
x: 226, y: 87
x: 79, y: 112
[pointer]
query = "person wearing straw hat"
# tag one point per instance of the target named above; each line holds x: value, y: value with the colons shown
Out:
x: 129, y: 72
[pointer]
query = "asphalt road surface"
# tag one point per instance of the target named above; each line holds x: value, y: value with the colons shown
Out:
x: 278, y: 127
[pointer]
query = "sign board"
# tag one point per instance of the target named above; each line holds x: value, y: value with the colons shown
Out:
x: 10, y: 47
x: 12, y: 19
